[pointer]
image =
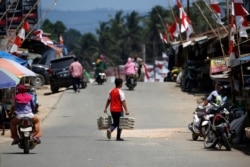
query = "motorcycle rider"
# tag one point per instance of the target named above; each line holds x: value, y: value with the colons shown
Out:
x: 130, y: 68
x: 24, y: 107
x: 100, y: 65
x: 214, y: 96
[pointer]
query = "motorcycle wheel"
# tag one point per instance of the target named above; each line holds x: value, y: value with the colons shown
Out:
x: 210, y: 139
x: 226, y: 142
x: 26, y: 145
x: 194, y: 136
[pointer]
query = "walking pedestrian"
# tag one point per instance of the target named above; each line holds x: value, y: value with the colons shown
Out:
x: 117, y: 102
x: 76, y: 71
x: 138, y: 62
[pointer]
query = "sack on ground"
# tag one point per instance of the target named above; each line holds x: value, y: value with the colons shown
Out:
x: 104, y: 121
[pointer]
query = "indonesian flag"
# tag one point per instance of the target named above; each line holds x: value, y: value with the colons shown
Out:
x: 241, y: 23
x: 185, y: 21
x: 240, y: 13
x: 239, y: 10
x: 217, y: 11
x: 231, y: 39
x: 39, y: 36
x: 20, y: 37
x: 174, y: 29
x: 163, y: 37
x: 61, y: 40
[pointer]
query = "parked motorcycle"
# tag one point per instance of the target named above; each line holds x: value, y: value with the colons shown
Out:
x: 131, y: 82
x: 172, y: 75
x: 25, y: 130
x: 101, y: 78
x: 200, y: 123
x: 219, y: 132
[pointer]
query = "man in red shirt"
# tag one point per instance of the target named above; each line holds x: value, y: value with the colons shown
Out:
x: 117, y: 103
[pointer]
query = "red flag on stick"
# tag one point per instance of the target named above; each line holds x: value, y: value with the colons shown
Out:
x: 20, y: 37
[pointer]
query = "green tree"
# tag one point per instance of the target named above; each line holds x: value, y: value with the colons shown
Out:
x: 53, y: 29
x: 109, y: 38
x: 71, y: 39
x: 132, y: 37
x: 88, y: 48
x: 155, y: 24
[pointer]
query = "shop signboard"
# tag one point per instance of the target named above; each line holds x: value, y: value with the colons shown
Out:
x: 218, y: 65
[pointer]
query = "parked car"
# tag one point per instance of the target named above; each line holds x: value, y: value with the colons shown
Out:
x: 42, y: 75
x: 39, y: 58
x: 59, y: 75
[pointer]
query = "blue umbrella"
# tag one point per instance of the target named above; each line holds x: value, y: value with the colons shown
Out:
x: 8, y: 80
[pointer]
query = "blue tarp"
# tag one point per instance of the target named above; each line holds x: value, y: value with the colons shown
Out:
x: 6, y: 55
x: 239, y: 61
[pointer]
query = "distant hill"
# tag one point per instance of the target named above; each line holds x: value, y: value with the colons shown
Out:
x: 83, y: 21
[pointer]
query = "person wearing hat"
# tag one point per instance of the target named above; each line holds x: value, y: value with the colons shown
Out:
x: 24, y: 107
x: 100, y: 65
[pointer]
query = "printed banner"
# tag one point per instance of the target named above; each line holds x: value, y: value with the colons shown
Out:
x: 218, y: 65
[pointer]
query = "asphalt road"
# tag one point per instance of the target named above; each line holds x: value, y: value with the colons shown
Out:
x: 160, y: 137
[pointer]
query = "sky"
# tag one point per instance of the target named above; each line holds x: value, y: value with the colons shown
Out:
x: 73, y: 5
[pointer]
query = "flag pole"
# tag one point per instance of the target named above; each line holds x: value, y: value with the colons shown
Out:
x: 23, y: 20
x: 212, y: 11
x: 45, y: 13
x: 217, y: 34
x: 162, y: 23
x: 206, y: 19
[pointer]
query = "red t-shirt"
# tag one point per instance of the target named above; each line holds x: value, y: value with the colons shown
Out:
x: 116, y: 97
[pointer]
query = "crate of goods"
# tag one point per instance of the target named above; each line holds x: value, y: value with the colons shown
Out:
x: 127, y: 123
x: 104, y: 122
x: 247, y: 131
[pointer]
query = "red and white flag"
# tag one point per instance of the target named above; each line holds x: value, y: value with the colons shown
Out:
x: 217, y: 11
x: 240, y: 13
x: 185, y: 21
x: 163, y: 37
x: 239, y: 10
x: 174, y: 29
x: 20, y: 37
x: 231, y: 37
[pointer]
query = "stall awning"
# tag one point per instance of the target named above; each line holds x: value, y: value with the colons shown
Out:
x: 239, y: 61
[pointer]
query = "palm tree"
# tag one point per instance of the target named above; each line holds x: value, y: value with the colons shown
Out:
x: 131, y: 37
x: 155, y: 46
